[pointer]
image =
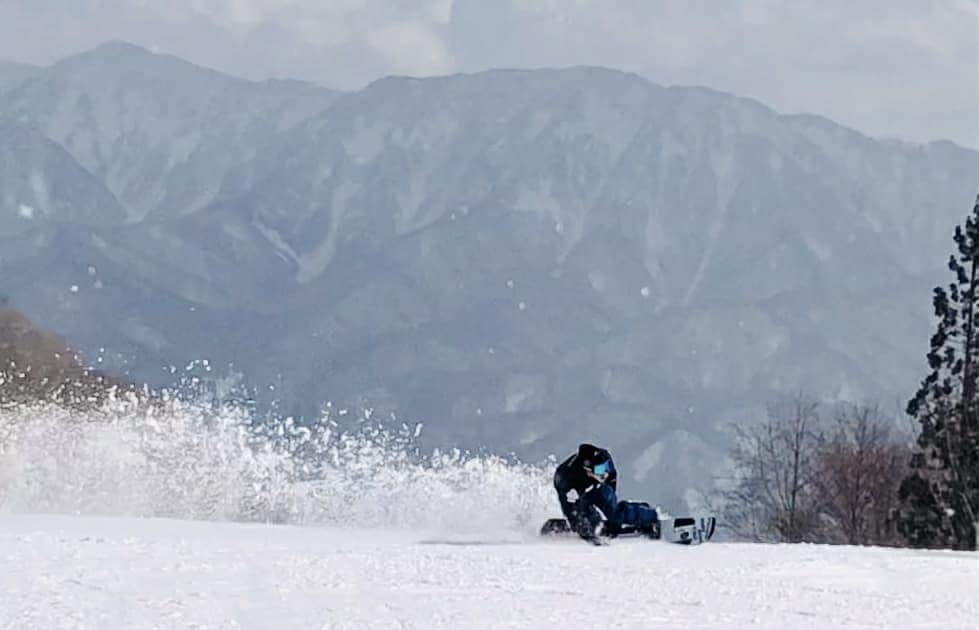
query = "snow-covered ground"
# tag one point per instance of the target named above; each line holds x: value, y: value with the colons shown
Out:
x: 87, y: 572
x: 155, y: 540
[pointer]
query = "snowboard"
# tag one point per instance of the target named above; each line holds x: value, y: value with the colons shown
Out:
x: 688, y: 530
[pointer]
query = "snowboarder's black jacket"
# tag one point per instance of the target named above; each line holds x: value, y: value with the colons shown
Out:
x: 571, y: 475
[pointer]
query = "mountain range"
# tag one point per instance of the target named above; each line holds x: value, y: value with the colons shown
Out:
x: 518, y: 259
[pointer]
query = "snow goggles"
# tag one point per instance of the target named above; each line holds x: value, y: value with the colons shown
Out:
x: 600, y: 469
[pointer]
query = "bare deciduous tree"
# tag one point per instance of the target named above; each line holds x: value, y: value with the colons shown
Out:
x: 773, y: 497
x: 858, y: 470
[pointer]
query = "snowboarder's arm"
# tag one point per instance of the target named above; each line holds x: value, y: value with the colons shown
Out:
x: 565, y: 490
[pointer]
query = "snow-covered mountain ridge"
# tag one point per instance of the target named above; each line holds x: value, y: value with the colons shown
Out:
x: 520, y: 259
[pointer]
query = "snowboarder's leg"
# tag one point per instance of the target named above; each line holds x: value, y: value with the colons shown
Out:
x: 637, y: 516
x: 595, y: 511
x: 599, y: 510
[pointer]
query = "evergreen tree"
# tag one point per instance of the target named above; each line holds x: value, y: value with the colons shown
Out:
x: 940, y: 497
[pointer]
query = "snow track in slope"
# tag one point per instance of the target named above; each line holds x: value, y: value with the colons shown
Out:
x: 64, y: 572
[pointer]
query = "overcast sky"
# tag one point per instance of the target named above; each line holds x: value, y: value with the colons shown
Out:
x: 901, y: 68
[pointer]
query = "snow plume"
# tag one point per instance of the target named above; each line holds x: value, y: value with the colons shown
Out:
x: 214, y: 462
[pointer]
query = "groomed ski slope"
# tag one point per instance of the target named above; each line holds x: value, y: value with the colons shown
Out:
x: 161, y: 497
x: 90, y: 572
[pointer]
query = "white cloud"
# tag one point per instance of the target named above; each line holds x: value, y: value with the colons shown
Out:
x: 378, y: 36
x: 412, y: 48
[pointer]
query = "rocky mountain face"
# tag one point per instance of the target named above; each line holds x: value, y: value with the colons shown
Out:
x: 44, y: 184
x: 12, y: 74
x: 518, y: 259
x: 162, y: 134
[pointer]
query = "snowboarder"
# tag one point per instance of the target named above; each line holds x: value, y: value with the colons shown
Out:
x: 585, y: 484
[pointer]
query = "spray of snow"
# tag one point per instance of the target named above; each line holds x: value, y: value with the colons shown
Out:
x: 215, y: 462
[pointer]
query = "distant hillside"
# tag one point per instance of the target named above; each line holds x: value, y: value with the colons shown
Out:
x: 36, y: 364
